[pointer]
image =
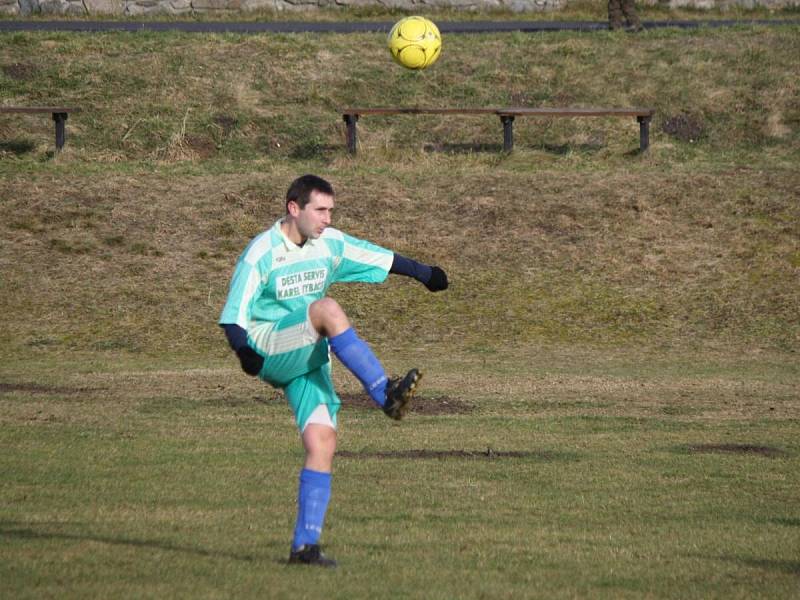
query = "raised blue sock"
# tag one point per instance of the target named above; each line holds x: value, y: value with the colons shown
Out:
x: 357, y: 356
x: 312, y: 503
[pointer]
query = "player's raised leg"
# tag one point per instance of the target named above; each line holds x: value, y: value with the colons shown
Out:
x: 330, y: 320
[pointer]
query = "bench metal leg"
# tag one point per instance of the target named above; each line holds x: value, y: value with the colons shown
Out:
x: 352, y: 134
x: 508, y: 133
x: 61, y: 130
x: 644, y: 132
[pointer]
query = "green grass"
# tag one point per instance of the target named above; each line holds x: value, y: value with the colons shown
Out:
x: 158, y: 97
x: 610, y: 403
x: 181, y: 482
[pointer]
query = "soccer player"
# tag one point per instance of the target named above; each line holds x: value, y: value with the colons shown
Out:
x: 282, y: 326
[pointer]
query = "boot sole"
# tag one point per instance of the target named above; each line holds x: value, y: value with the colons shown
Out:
x: 405, y: 399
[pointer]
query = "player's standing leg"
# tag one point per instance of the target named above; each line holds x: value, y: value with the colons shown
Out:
x: 314, y: 494
x: 319, y: 435
x: 308, y: 395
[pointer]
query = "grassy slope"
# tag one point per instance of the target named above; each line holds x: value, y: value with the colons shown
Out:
x: 186, y: 147
x: 608, y: 312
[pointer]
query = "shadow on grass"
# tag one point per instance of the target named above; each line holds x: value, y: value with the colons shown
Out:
x: 792, y: 567
x: 24, y: 531
x: 635, y: 152
x: 18, y: 147
x: 463, y: 148
x: 741, y: 449
x: 564, y: 149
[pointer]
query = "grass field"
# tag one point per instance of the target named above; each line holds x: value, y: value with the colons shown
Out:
x: 610, y: 405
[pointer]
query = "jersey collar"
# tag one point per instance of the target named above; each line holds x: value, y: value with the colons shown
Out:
x: 287, y: 243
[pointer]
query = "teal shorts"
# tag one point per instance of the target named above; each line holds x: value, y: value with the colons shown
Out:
x: 297, y: 360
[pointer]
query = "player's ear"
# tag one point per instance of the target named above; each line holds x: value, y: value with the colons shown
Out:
x: 293, y: 208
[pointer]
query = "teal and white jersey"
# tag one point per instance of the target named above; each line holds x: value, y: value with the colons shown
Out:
x: 275, y: 277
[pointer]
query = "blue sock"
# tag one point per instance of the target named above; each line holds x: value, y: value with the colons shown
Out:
x: 312, y: 503
x: 357, y: 356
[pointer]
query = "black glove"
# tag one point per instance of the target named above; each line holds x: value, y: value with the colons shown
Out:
x: 251, y: 360
x: 438, y: 280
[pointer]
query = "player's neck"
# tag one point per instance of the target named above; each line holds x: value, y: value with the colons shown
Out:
x: 290, y: 230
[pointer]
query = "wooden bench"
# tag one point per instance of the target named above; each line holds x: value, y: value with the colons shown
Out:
x: 507, y: 116
x: 59, y: 116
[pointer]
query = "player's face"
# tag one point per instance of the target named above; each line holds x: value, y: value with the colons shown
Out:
x: 315, y: 216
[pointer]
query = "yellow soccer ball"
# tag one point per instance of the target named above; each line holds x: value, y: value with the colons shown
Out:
x: 415, y: 42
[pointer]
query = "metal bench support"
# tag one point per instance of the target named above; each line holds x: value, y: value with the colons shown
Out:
x: 644, y: 132
x: 61, y: 131
x: 508, y: 132
x: 352, y: 134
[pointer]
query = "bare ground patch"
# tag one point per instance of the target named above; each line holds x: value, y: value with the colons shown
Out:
x: 672, y: 396
x: 687, y: 128
x: 19, y: 71
x: 422, y: 405
x: 38, y: 388
x: 488, y: 453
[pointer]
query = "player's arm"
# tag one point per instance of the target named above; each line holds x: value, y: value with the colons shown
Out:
x: 250, y: 360
x: 432, y: 277
x: 365, y: 262
x: 245, y: 284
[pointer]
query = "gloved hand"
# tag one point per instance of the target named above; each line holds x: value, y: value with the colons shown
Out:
x: 438, y: 280
x: 250, y: 360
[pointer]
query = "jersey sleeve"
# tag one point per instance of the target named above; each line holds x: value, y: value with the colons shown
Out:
x: 245, y: 285
x: 361, y: 261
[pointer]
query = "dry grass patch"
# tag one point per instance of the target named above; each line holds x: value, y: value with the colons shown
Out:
x: 618, y: 255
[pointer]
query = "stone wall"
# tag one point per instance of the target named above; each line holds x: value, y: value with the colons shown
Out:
x: 178, y: 7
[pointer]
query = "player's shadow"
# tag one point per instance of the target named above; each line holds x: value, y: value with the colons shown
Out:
x: 791, y: 567
x: 26, y: 531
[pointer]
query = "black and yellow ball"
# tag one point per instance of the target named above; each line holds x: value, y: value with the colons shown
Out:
x: 415, y: 42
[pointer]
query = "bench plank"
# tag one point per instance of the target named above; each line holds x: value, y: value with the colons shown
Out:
x: 578, y: 112
x: 419, y: 111
x: 516, y: 111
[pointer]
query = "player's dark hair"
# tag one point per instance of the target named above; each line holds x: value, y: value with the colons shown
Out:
x: 301, y: 188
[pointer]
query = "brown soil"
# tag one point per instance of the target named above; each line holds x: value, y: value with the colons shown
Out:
x: 423, y: 405
x: 489, y: 453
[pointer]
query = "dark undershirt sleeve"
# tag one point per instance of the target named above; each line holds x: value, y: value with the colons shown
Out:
x: 237, y: 337
x: 402, y: 265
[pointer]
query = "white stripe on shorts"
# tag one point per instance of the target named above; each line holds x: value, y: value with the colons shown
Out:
x: 320, y: 416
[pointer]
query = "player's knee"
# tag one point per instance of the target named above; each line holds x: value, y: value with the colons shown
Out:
x: 323, y: 307
x: 320, y: 443
x: 327, y: 313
